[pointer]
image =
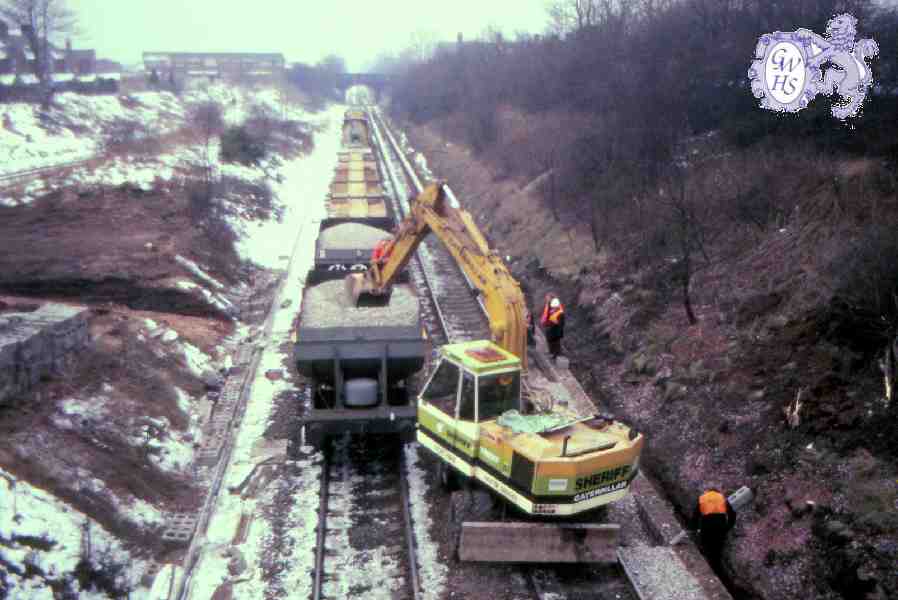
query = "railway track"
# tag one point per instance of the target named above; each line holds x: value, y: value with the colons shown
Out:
x: 449, y: 298
x: 365, y: 546
x: 367, y: 543
x: 14, y: 177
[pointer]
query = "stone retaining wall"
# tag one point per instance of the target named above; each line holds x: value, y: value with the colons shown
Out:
x: 38, y: 344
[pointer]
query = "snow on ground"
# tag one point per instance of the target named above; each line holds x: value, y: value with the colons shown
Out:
x: 29, y: 515
x: 31, y: 138
x: 196, y: 270
x: 302, y: 191
x: 197, y: 361
x: 162, y: 112
x: 433, y: 570
x: 238, y: 105
x: 171, y: 453
x: 172, y: 450
x: 421, y: 161
x: 139, y: 171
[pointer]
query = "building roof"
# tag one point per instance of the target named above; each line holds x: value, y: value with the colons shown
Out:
x: 19, y: 43
x: 269, y: 55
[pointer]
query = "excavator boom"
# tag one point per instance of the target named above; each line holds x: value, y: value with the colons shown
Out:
x: 500, y: 292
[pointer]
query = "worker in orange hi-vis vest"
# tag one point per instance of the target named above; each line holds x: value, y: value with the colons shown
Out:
x: 381, y: 251
x: 552, y: 322
x: 713, y: 517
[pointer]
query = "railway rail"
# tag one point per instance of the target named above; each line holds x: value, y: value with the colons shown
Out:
x: 356, y: 475
x: 14, y: 177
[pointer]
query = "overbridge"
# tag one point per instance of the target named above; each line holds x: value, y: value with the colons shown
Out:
x: 377, y: 82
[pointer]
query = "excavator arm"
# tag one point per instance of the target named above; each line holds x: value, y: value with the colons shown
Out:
x: 432, y: 213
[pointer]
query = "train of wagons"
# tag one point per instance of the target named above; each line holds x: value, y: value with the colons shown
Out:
x: 357, y: 362
x: 361, y: 360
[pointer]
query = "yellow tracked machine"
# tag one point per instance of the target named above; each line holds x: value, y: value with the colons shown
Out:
x: 553, y: 468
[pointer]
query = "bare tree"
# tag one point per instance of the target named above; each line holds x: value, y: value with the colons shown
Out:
x: 40, y: 20
x: 689, y: 220
x: 421, y: 46
x: 547, y: 155
x: 208, y: 123
x: 566, y: 16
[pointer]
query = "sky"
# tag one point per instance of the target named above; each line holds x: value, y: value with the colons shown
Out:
x: 303, y: 30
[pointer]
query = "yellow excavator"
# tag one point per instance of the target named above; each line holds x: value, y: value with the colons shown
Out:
x: 553, y: 467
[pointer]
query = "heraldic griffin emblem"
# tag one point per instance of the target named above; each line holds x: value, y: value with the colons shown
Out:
x: 787, y: 72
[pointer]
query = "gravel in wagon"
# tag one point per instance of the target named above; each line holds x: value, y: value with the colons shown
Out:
x: 350, y: 236
x: 328, y: 304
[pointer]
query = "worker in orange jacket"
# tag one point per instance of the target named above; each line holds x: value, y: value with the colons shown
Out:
x: 713, y: 517
x: 552, y: 322
x: 381, y: 251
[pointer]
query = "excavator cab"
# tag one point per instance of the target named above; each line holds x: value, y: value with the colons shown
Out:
x: 556, y: 465
x: 462, y: 388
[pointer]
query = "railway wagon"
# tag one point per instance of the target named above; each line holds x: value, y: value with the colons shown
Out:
x: 358, y: 212
x: 356, y: 190
x: 358, y: 362
x: 356, y: 128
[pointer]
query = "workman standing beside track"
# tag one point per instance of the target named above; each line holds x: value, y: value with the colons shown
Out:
x: 713, y: 517
x: 552, y: 321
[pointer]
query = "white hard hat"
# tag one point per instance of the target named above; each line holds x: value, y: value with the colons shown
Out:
x: 555, y: 303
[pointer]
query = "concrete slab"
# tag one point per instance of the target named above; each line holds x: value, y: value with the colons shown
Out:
x: 264, y: 449
x: 538, y: 542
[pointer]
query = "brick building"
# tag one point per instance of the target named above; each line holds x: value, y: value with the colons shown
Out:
x: 192, y: 68
x: 18, y: 64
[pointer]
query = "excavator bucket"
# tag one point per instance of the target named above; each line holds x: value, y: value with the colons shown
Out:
x: 538, y: 542
x: 361, y: 292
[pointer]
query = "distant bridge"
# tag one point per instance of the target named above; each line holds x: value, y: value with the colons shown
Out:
x: 378, y: 82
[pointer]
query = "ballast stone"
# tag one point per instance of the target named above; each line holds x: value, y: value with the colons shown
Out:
x: 350, y: 236
x: 328, y: 305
